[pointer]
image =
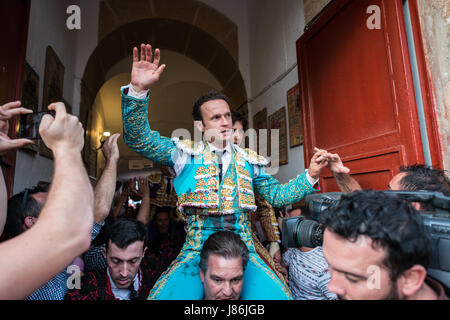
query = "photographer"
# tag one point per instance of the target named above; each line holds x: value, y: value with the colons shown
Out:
x: 66, y: 218
x: 377, y: 247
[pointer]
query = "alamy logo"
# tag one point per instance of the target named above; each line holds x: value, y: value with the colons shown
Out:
x: 373, y: 282
x: 74, y: 280
x: 74, y: 20
x: 374, y: 21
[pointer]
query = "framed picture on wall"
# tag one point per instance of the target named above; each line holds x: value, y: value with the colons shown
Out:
x: 30, y: 97
x: 295, y: 117
x: 259, y: 123
x: 53, y: 89
x: 53, y: 79
x: 277, y: 120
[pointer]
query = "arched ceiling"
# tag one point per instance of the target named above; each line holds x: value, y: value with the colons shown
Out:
x: 168, y: 34
x: 116, y: 13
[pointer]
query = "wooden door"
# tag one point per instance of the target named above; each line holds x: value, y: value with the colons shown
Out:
x: 357, y: 92
x: 14, y: 16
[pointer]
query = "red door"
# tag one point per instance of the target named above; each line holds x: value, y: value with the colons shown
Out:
x: 14, y: 15
x: 357, y: 92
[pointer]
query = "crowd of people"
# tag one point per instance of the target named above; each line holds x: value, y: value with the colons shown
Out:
x: 88, y: 243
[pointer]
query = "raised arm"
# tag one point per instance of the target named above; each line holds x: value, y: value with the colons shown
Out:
x: 63, y: 229
x: 123, y: 197
x: 137, y: 133
x: 104, y: 190
x: 144, y: 192
x: 344, y: 181
x: 280, y: 195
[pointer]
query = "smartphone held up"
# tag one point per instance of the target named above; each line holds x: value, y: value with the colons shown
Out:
x: 28, y: 124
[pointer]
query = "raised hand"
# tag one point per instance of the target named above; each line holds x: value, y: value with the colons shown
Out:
x: 144, y: 189
x: 335, y: 164
x: 144, y: 72
x: 64, y: 132
x: 110, y: 149
x: 318, y: 162
x: 7, y: 111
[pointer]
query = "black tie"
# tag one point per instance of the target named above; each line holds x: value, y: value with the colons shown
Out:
x: 133, y: 293
x: 219, y: 155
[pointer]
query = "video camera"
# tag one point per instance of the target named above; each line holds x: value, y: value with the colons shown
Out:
x: 297, y: 231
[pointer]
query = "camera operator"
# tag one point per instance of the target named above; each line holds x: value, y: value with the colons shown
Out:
x: 377, y: 247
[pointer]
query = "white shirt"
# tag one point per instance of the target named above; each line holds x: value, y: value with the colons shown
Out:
x: 226, y: 157
x: 123, y: 294
x: 309, y: 274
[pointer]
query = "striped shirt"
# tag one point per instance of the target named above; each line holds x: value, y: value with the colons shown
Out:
x: 57, y: 287
x: 308, y: 274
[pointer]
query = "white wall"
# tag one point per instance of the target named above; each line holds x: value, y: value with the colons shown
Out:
x: 86, y: 42
x: 47, y: 26
x: 237, y: 11
x: 44, y: 31
x: 274, y: 27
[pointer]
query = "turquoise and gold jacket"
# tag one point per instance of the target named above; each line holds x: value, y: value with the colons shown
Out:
x: 197, y: 185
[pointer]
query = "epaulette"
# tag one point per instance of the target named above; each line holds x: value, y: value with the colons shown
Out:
x: 189, y: 146
x: 251, y: 156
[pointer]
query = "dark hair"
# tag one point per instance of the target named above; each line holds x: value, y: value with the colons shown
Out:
x: 225, y: 244
x: 20, y: 206
x: 211, y: 95
x: 124, y: 232
x: 236, y: 116
x: 392, y: 224
x: 421, y: 177
x: 162, y: 209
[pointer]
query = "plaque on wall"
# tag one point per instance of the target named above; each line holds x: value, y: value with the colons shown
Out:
x: 53, y: 89
x: 260, y: 123
x: 295, y: 117
x: 277, y: 120
x: 53, y: 79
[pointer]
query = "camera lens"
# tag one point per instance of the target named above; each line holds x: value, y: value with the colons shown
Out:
x: 309, y: 234
x: 298, y: 232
